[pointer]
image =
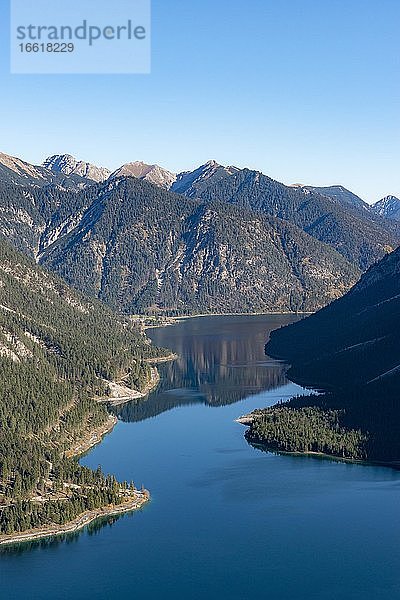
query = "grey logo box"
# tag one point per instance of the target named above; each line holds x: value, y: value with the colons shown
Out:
x: 80, y: 36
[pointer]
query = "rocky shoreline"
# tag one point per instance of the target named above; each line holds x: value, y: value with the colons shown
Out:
x: 81, y: 521
x: 86, y: 443
x: 162, y: 359
x: 136, y: 501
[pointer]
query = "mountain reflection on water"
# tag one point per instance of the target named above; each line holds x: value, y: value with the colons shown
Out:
x: 212, y: 368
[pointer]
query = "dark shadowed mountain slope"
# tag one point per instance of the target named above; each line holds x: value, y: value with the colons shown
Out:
x: 351, y: 349
x: 352, y: 341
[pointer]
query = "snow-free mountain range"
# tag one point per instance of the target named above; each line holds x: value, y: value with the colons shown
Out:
x: 214, y: 239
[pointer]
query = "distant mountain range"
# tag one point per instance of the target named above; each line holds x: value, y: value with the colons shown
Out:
x: 213, y: 239
x: 16, y: 171
x: 191, y: 183
x: 359, y: 235
x: 326, y: 213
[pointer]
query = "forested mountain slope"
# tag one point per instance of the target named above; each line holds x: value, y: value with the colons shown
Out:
x: 58, y: 349
x: 138, y: 247
x: 345, y: 197
x: 33, y: 217
x: 351, y: 349
x: 360, y: 236
x: 235, y: 240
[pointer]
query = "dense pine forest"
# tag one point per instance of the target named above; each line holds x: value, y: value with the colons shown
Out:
x: 57, y: 352
x: 142, y: 249
x: 357, y: 234
x: 306, y: 429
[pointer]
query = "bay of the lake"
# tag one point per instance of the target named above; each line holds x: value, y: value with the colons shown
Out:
x: 226, y: 521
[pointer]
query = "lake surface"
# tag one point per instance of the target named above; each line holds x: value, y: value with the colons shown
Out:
x: 226, y: 521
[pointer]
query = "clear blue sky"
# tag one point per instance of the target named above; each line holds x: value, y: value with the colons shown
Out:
x: 304, y: 90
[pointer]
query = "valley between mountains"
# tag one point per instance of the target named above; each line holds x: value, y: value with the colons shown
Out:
x: 87, y: 255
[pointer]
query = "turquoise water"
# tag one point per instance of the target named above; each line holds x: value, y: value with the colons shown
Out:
x: 226, y: 521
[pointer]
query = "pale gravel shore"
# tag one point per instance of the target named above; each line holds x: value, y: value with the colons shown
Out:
x: 162, y: 359
x: 79, y: 522
x: 177, y: 320
x: 122, y: 394
x: 82, y: 520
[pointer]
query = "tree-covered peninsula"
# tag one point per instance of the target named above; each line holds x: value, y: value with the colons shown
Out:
x: 58, y: 351
x: 306, y: 429
x: 351, y: 350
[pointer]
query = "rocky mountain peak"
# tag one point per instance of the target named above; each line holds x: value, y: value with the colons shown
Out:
x: 21, y: 169
x: 69, y: 165
x: 189, y: 182
x: 151, y: 173
x: 388, y: 207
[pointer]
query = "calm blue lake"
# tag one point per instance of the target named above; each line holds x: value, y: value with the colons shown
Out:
x: 226, y: 521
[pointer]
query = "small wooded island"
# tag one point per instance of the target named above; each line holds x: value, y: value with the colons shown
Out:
x: 58, y: 353
x: 351, y: 350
